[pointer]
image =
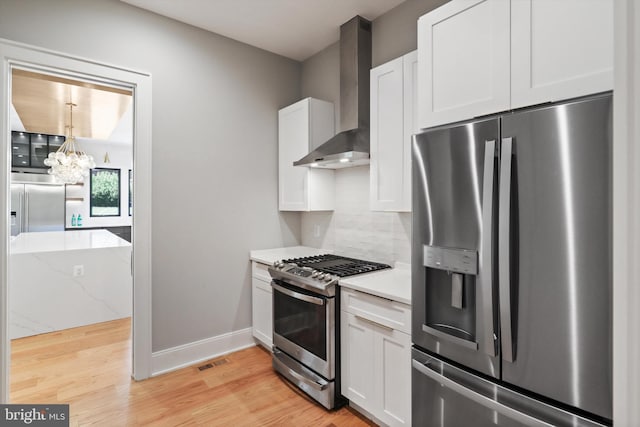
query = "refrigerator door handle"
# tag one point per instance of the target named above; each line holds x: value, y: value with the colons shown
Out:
x: 21, y: 215
x: 485, y: 401
x: 486, y: 249
x: 25, y: 211
x: 504, y: 250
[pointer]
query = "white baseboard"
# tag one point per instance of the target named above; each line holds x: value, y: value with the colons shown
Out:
x: 185, y: 355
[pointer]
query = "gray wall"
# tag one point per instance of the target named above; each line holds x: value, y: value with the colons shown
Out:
x: 393, y: 35
x: 352, y: 229
x: 395, y: 32
x: 215, y: 105
x: 321, y: 78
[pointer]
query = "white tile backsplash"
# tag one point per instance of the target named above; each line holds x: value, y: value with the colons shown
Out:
x: 354, y: 230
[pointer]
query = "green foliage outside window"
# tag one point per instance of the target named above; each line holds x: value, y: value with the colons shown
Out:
x: 105, y: 192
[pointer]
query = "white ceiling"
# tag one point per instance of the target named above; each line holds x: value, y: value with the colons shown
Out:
x: 296, y: 29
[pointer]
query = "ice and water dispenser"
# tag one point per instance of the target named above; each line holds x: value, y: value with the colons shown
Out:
x: 451, y: 294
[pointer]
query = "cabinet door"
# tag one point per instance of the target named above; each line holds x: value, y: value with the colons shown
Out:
x: 410, y: 87
x: 357, y: 361
x: 463, y: 50
x: 302, y: 127
x: 55, y: 141
x: 262, y: 311
x: 20, y: 150
x: 394, y: 111
x: 387, y: 142
x: 293, y: 144
x: 39, y: 150
x: 394, y: 378
x: 560, y: 49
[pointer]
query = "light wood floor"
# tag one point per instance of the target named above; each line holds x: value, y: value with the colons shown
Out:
x: 89, y: 368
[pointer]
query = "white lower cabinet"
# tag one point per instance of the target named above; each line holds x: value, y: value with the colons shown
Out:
x: 261, y: 304
x: 376, y: 357
x: 358, y: 368
x: 394, y: 378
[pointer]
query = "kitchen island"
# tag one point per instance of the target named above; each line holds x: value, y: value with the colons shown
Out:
x: 64, y: 279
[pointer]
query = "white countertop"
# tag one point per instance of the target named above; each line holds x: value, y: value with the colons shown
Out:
x: 269, y: 256
x: 393, y: 284
x: 53, y: 241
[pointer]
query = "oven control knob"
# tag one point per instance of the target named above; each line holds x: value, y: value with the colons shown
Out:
x: 315, y: 273
x: 320, y: 276
x: 328, y: 278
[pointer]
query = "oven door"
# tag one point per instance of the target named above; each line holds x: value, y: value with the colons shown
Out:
x: 303, y: 327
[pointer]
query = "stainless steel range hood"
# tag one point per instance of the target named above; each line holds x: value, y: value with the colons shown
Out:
x: 350, y: 147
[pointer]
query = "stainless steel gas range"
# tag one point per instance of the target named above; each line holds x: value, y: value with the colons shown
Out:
x: 305, y: 319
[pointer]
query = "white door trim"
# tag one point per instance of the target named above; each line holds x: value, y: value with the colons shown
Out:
x: 626, y: 214
x: 12, y: 53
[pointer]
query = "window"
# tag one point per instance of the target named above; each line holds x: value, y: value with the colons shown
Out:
x: 105, y: 192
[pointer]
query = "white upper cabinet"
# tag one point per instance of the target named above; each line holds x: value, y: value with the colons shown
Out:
x: 302, y: 127
x: 410, y: 87
x: 560, y: 49
x: 393, y: 121
x: 463, y: 53
x: 480, y: 57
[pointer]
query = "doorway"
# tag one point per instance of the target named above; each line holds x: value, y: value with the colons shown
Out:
x: 19, y: 56
x: 70, y: 249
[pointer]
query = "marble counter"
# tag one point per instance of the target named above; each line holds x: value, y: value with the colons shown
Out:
x: 269, y: 256
x: 393, y: 284
x: 65, y: 279
x: 51, y: 241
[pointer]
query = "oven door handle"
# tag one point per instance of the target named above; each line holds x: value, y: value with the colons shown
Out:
x: 301, y: 378
x: 298, y: 295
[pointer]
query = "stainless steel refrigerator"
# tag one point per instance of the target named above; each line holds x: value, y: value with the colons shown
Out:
x: 511, y: 269
x: 36, y: 207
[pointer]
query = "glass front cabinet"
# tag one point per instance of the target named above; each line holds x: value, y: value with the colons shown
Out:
x: 28, y: 150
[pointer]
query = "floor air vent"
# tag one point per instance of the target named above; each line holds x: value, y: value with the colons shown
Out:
x: 212, y: 364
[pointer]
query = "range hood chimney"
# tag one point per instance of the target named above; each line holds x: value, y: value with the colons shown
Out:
x: 350, y: 147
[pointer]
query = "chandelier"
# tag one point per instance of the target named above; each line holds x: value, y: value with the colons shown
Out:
x: 69, y: 164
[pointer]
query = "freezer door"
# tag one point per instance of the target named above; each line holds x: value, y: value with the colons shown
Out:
x: 17, y: 208
x: 44, y: 207
x: 446, y: 396
x: 453, y: 288
x: 555, y: 253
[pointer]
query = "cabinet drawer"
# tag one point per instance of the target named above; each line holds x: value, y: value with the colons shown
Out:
x: 379, y: 310
x: 260, y: 271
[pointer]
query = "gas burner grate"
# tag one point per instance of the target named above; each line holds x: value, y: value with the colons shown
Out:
x: 337, y: 265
